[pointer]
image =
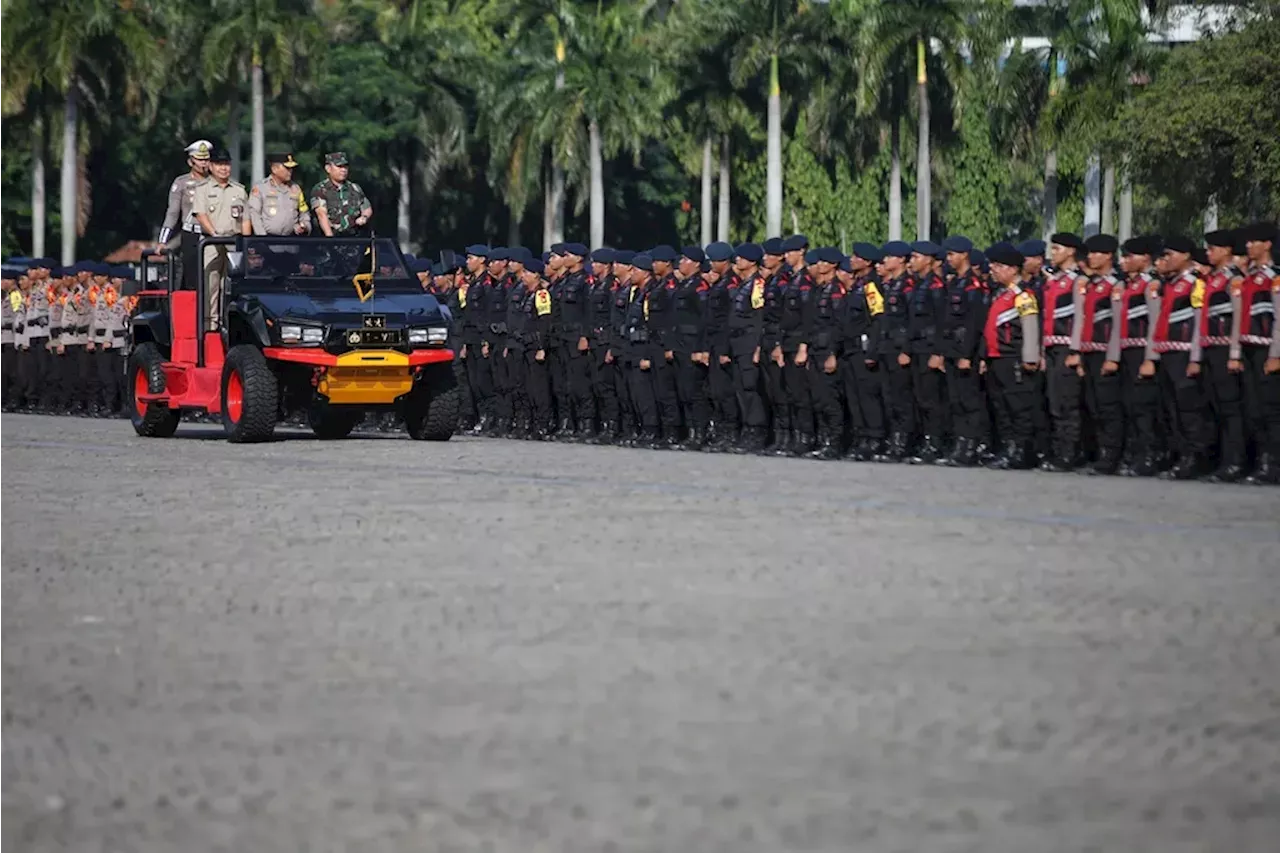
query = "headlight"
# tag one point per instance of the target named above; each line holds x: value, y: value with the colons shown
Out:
x: 433, y: 335
x: 312, y: 335
x: 290, y: 334
x: 306, y: 335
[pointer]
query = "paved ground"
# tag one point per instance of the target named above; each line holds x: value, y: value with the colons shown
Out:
x: 488, y: 645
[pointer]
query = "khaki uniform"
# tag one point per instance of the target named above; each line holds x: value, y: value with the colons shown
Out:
x: 225, y: 207
x: 74, y: 362
x: 277, y: 209
x: 107, y: 331
x: 9, y: 302
x: 177, y: 216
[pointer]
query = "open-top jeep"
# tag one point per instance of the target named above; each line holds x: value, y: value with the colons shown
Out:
x: 329, y: 327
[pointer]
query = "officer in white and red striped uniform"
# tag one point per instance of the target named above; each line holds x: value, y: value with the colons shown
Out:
x: 1090, y: 338
x: 1260, y: 348
x: 1220, y: 357
x: 1060, y: 301
x: 1131, y: 347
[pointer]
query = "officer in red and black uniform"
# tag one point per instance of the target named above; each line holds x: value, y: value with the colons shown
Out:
x: 1260, y: 348
x: 1220, y: 355
x: 1011, y: 356
x: 794, y: 311
x: 1131, y: 348
x: 926, y: 314
x: 721, y: 295
x: 662, y: 324
x: 862, y: 308
x: 1090, y: 339
x: 1061, y: 298
x: 538, y: 310
x: 776, y: 271
x: 643, y: 348
x: 689, y: 346
x: 823, y: 335
x: 572, y: 293
x: 960, y: 338
x: 895, y: 351
x: 746, y: 338
x: 1175, y: 345
x: 617, y: 357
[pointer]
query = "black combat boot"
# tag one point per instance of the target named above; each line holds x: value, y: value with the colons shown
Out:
x: 697, y: 439
x: 966, y: 453
x: 1147, y: 466
x: 608, y: 433
x: 564, y: 432
x: 587, y: 432
x: 1188, y: 467
x: 1003, y: 458
x: 1266, y: 472
x: 928, y: 452
x: 1230, y: 471
x: 1107, y: 463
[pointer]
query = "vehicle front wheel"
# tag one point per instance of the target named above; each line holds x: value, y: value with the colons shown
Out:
x: 146, y: 376
x: 431, y: 411
x: 250, y: 395
x: 332, y: 422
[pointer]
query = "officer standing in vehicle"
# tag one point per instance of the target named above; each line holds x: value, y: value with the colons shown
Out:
x: 178, y: 214
x: 341, y: 207
x: 277, y: 205
x: 219, y: 207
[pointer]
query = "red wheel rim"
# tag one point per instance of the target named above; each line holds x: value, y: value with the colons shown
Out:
x: 235, y: 397
x: 140, y: 388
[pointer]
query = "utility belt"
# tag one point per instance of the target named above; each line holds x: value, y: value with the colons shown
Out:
x: 1057, y: 340
x: 1256, y: 340
x: 498, y: 328
x: 689, y: 329
x: 1134, y: 343
x: 1172, y: 346
x: 1090, y: 346
x: 1215, y: 341
x: 638, y: 336
x: 38, y: 321
x: 55, y: 331
x: 192, y: 227
x: 6, y: 326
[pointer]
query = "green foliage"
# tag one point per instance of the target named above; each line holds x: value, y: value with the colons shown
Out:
x: 979, y: 177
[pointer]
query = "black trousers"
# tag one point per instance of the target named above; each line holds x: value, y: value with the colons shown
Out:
x: 40, y: 384
x: 1141, y: 401
x: 538, y: 388
x: 643, y: 394
x: 863, y: 395
x: 622, y: 389
x: 8, y: 373
x: 1184, y: 403
x: 691, y: 390
x: 1261, y: 401
x: 480, y: 378
x: 502, y: 408
x: 604, y: 389
x: 1014, y: 395
x: 899, y: 398
x: 558, y: 370
x: 1225, y: 392
x: 724, y: 396
x: 516, y: 372
x: 826, y: 390
x: 467, y: 410
x: 930, y: 389
x: 747, y: 382
x: 964, y: 396
x: 1062, y: 398
x: 775, y: 394
x: 799, y: 387
x: 79, y: 377
x: 577, y: 367
x: 1103, y: 403
x: 109, y: 366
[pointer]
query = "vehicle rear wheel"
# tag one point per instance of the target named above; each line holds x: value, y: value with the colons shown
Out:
x: 250, y: 395
x: 146, y: 376
x: 333, y: 422
x: 431, y: 411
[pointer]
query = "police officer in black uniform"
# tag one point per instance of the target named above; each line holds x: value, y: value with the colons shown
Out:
x: 722, y: 290
x: 689, y: 346
x: 746, y: 337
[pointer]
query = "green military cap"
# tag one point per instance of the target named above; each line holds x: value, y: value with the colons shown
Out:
x: 336, y: 158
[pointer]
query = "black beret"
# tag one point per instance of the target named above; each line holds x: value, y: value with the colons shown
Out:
x: 750, y: 252
x: 123, y: 271
x: 926, y: 247
x: 868, y: 252
x: 1178, y: 243
x: 811, y: 256
x: 438, y: 269
x: 220, y: 155
x: 499, y: 253
x: 663, y: 253
x: 1223, y: 237
x: 286, y: 159
x: 830, y: 255
x: 978, y: 258
x: 1259, y: 232
x: 480, y: 250
x: 643, y: 261
x: 693, y: 253
x: 623, y: 256
x: 719, y: 251
x: 958, y: 244
x: 1066, y: 238
x: 773, y: 246
x: 845, y: 266
x: 1200, y: 256
x: 1032, y: 248
x: 520, y: 254
x: 795, y: 243
x: 1137, y: 246
x: 424, y: 265
x: 1005, y: 253
x: 603, y: 256
x: 546, y: 257
x: 535, y: 265
x: 1104, y: 243
x: 705, y: 265
x: 897, y: 249
x: 1155, y: 242
x: 578, y: 249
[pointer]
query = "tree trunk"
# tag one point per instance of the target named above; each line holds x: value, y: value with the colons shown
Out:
x: 1108, y: 198
x: 1210, y: 213
x: 257, y: 169
x: 596, y: 160
x: 1126, y: 205
x: 233, y: 135
x: 722, y: 228
x: 1092, y: 194
x: 403, y: 200
x: 69, y: 210
x: 557, y: 173
x: 513, y: 229
x: 773, y: 177
x: 895, y: 181
x: 704, y: 222
x: 1050, y: 193
x: 548, y: 209
x: 923, y: 202
x: 37, y: 188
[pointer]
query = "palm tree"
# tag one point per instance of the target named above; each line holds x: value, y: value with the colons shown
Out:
x: 90, y: 53
x: 271, y: 38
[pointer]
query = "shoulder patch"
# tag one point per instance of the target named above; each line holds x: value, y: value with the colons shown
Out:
x: 542, y: 302
x: 1026, y: 304
x: 875, y: 301
x: 1197, y: 294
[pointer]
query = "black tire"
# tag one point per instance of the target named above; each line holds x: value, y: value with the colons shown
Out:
x: 251, y: 414
x: 150, y: 420
x: 330, y: 423
x: 431, y: 412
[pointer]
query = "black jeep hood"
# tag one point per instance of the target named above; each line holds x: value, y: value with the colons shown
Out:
x: 399, y: 309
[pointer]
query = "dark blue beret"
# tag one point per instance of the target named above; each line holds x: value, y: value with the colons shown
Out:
x: 499, y: 253
x: 750, y: 252
x: 603, y: 255
x: 546, y: 257
x: 45, y: 263
x: 719, y: 251
x: 1032, y: 248
x: 978, y: 258
x: 124, y: 271
x: 958, y: 244
x: 578, y: 249
x: 896, y: 248
x: 478, y: 249
x: 623, y: 256
x: 535, y: 265
x: 1225, y: 238
x: 557, y: 248
x: 811, y: 256
x: 1004, y: 253
x: 846, y: 266
x: 773, y: 246
x: 926, y: 247
x: 830, y: 255
x: 795, y: 243
x: 425, y: 265
x: 693, y: 253
x: 642, y: 261
x: 437, y: 269
x: 520, y: 254
x: 663, y: 253
x: 868, y: 252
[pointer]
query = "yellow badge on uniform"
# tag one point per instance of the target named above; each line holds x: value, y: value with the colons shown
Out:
x: 462, y: 295
x: 302, y: 202
x: 15, y: 300
x: 757, y: 295
x: 1026, y: 304
x: 542, y: 302
x: 1197, y: 294
x: 646, y: 307
x: 875, y: 302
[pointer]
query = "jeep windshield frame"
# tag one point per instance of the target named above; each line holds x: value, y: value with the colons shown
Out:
x: 320, y: 264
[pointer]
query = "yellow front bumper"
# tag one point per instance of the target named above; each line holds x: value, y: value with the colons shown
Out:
x: 368, y: 377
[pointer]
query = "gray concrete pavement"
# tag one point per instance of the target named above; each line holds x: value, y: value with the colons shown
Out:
x: 490, y: 645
